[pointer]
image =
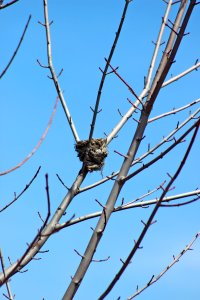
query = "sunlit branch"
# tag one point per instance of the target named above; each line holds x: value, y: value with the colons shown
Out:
x: 174, y: 40
x: 175, y: 260
x: 46, y: 230
x: 150, y: 192
x: 18, y: 46
x: 175, y: 78
x: 130, y: 205
x: 137, y: 160
x: 162, y: 154
x: 151, y: 218
x: 174, y: 111
x: 54, y: 76
x: 10, y: 296
x: 37, y: 146
x: 132, y: 109
x: 129, y: 113
x: 106, y: 69
x: 157, y: 44
x: 135, y: 143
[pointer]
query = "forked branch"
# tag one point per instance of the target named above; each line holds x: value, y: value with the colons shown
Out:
x: 151, y: 218
x: 145, y: 91
x: 137, y: 138
x: 16, y: 267
x: 131, y: 205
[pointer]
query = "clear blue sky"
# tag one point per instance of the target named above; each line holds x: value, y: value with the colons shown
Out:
x: 82, y: 33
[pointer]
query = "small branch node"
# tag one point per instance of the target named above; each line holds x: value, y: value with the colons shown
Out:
x: 40, y: 217
x: 169, y: 175
x: 59, y: 178
x: 120, y: 113
x: 153, y: 222
x: 94, y: 110
x: 140, y: 139
x: 139, y: 247
x: 101, y: 260
x: 60, y: 73
x: 100, y: 203
x: 41, y: 65
x: 125, y: 156
x: 150, y: 280
x: 136, y: 120
x: 82, y: 256
x: 39, y: 22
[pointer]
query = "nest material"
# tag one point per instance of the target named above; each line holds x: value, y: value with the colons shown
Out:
x: 92, y: 155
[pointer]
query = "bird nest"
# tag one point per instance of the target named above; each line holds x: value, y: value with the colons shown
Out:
x: 92, y: 154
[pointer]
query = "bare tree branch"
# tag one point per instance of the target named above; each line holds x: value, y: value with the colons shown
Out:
x: 19, y: 44
x: 16, y: 267
x: 175, y: 78
x: 174, y: 111
x: 148, y: 80
x: 174, y: 41
x: 22, y: 192
x: 36, y: 147
x: 130, y: 205
x: 106, y: 69
x: 10, y: 296
x: 54, y: 76
x: 152, y: 150
x: 150, y: 219
x: 46, y: 230
x: 88, y: 150
x: 2, y: 6
x: 175, y: 260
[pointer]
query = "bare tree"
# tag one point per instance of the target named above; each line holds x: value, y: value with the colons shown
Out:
x: 116, y: 164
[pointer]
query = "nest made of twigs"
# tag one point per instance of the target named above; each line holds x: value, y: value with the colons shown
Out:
x: 92, y: 154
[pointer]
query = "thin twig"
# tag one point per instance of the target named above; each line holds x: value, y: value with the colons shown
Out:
x: 54, y: 76
x: 22, y: 192
x: 175, y: 260
x: 129, y: 205
x: 144, y: 92
x: 8, y: 4
x: 175, y: 78
x: 162, y: 154
x: 37, y: 146
x: 19, y: 264
x: 18, y: 46
x: 10, y: 296
x: 126, y: 84
x: 106, y: 69
x: 174, y: 111
x: 170, y: 51
x: 46, y: 230
x: 158, y: 44
x: 182, y: 203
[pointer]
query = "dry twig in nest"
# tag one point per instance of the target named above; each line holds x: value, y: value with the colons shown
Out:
x: 92, y: 155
